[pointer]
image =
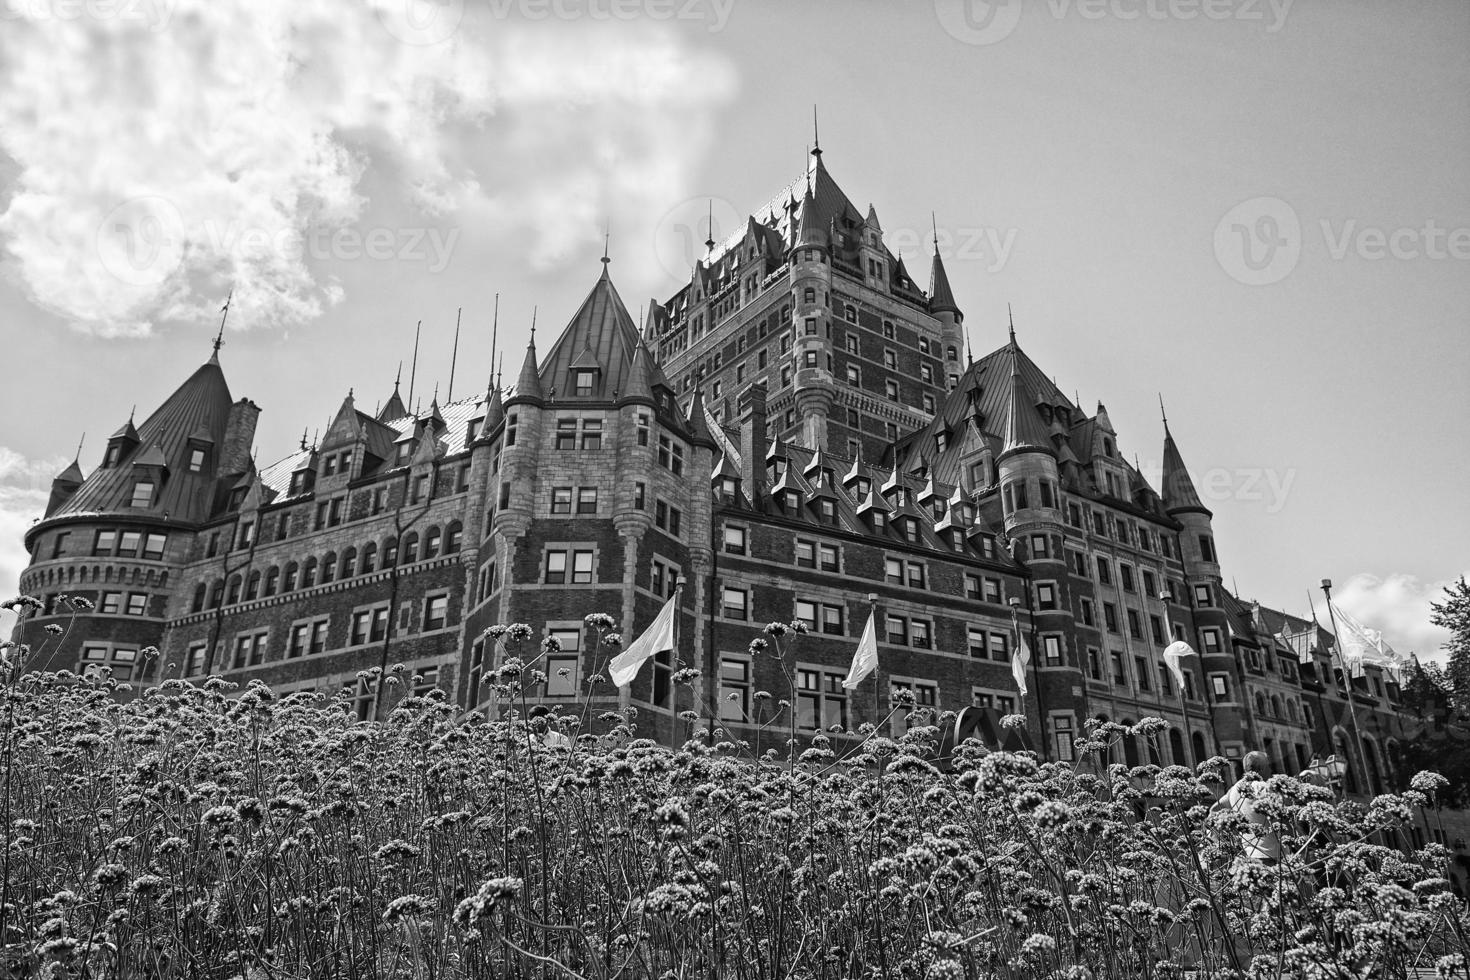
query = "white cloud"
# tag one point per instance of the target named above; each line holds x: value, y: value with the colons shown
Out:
x: 187, y: 147
x: 1399, y: 606
x: 25, y: 485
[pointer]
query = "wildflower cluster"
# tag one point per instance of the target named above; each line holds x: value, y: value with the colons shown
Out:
x: 188, y: 832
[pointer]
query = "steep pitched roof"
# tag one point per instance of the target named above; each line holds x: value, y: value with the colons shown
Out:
x: 983, y: 401
x: 394, y: 409
x: 202, y: 401
x: 941, y: 297
x: 600, y: 336
x: 1179, y: 493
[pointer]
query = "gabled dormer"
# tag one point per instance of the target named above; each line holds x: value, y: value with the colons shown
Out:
x: 120, y: 446
x: 150, y: 471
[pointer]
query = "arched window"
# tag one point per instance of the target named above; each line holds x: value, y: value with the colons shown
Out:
x: 199, y: 594
x: 1176, y: 747
x: 410, y: 548
x: 1276, y: 707
x: 369, y: 555
x: 1375, y: 773
x: 233, y: 596
x: 252, y: 586
x: 1198, y: 741
x: 1260, y: 703
x: 432, y: 538
x: 308, y: 573
x: 453, y: 535
x: 272, y: 578
x: 329, y: 567
x: 1130, y: 745
x: 349, y: 563
x: 216, y: 593
x: 390, y: 553
x: 288, y: 579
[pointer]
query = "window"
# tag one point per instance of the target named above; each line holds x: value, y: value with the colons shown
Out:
x: 821, y: 700
x: 1062, y: 737
x: 735, y: 682
x: 194, y: 660
x: 137, y: 603
x: 153, y: 546
x: 667, y: 518
x: 898, y: 630
x: 1104, y: 571
x: 1135, y: 624
x: 854, y: 374
x: 119, y: 659
x: 436, y: 611
x: 1150, y: 584
x: 735, y: 603
x: 1120, y: 672
x: 561, y: 562
x: 1206, y: 548
x: 1051, y: 650
x: 977, y: 645
x: 299, y: 636
x: 926, y: 700
x: 1000, y: 646
x: 1125, y: 575
x: 1005, y: 704
x: 663, y: 579
x: 561, y: 500
x: 142, y: 494
x: 1110, y: 617
x: 890, y: 388
x: 1140, y: 670
x: 566, y: 434
x: 1202, y: 596
x: 591, y: 434
x: 1211, y: 638
x: 1088, y: 612
x: 582, y: 385
x: 128, y: 542
x: 1046, y: 595
x: 822, y: 616
x: 563, y: 669
x: 972, y: 586
x: 111, y: 602
x: 1220, y: 687
x: 671, y: 455
x: 643, y: 428
x: 920, y: 634
x: 734, y: 539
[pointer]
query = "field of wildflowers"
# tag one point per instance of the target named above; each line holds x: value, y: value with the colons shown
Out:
x: 190, y: 830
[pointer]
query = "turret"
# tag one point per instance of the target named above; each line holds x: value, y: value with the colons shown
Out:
x: 943, y: 308
x: 1182, y: 502
x: 811, y: 285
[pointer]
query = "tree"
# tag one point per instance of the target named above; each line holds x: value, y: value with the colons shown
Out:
x: 1453, y: 614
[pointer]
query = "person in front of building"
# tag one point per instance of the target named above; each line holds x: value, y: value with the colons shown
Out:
x: 539, y: 718
x: 1258, y: 842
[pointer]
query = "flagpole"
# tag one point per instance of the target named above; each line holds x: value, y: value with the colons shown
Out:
x: 1166, y: 597
x: 877, y: 687
x: 1347, y: 676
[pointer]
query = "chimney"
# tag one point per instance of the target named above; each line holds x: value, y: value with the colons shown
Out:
x: 751, y: 406
x: 239, y: 437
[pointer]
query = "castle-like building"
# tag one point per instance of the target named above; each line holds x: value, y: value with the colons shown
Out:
x: 798, y: 434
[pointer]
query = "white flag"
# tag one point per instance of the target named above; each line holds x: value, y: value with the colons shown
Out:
x: 1172, y: 653
x: 865, y: 659
x: 1020, y: 660
x: 1357, y: 644
x: 658, y: 638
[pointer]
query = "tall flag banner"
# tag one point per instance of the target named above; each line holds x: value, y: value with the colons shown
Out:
x: 1357, y: 643
x: 1020, y: 660
x: 658, y: 638
x: 1172, y: 654
x: 865, y: 659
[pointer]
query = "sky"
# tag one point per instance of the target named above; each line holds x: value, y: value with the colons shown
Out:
x: 1257, y: 209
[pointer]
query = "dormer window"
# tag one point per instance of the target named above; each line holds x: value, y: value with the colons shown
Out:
x: 197, y: 458
x: 941, y: 441
x: 405, y: 450
x: 583, y: 382
x: 142, y: 494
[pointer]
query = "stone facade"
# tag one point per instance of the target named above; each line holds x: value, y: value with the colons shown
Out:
x: 797, y: 435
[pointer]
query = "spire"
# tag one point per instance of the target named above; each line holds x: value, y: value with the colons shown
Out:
x: 413, y: 370
x: 810, y: 231
x: 1023, y: 424
x: 816, y: 136
x: 1012, y: 318
x: 454, y: 357
x: 941, y: 297
x: 698, y: 427
x: 639, y: 387
x: 393, y: 408
x: 709, y: 229
x: 219, y: 338
x: 528, y: 385
x: 1178, y: 489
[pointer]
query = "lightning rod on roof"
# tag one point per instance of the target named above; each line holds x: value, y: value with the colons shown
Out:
x: 494, y: 338
x: 414, y: 368
x: 454, y: 357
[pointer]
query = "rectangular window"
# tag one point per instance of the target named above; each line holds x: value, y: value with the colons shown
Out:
x: 920, y: 635
x: 1211, y: 637
x: 1220, y: 687
x: 556, y: 567
x: 1046, y: 595
x: 1120, y: 673
x: 591, y: 434
x: 1088, y: 616
x: 734, y: 688
x: 1000, y: 646
x: 111, y: 602
x: 137, y: 603
x: 1202, y: 596
x: 194, y: 661
x: 917, y: 579
x: 1051, y: 649
x: 1104, y: 571
x: 1110, y: 617
x: 566, y: 434
x: 972, y: 586
x: 1135, y: 624
x: 300, y: 634
x: 1062, y: 736
x: 142, y: 494
x: 153, y: 546
x: 586, y: 500
x: 664, y: 578
x: 318, y: 636
x: 821, y: 700
x: 1140, y: 670
x: 582, y: 568
x: 898, y: 630
x: 978, y: 647
x: 436, y: 610
x: 561, y: 500
x: 1125, y: 574
x: 893, y: 570
x: 736, y: 603
x: 734, y: 539
x: 128, y: 543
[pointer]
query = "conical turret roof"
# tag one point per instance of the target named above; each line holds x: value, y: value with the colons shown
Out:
x: 528, y: 385
x: 941, y: 297
x: 1179, y: 493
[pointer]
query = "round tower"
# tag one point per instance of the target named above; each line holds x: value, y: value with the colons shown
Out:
x: 811, y: 325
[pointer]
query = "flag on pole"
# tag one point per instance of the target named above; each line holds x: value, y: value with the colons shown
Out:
x: 1020, y: 660
x: 658, y: 638
x: 1358, y: 644
x: 1172, y: 653
x: 865, y: 660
